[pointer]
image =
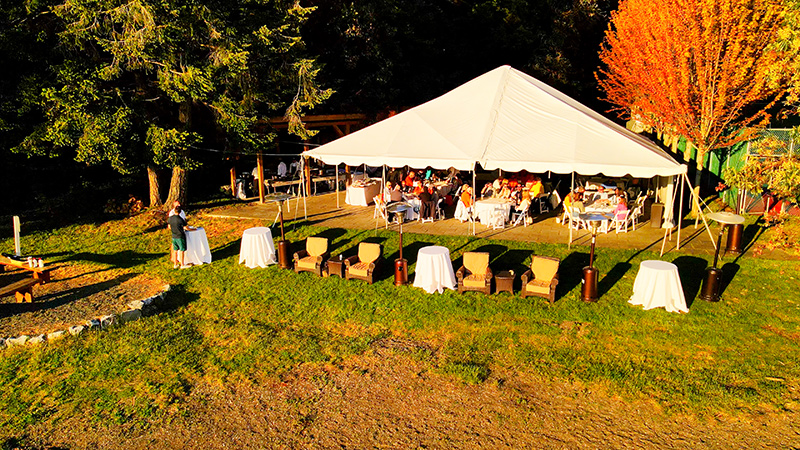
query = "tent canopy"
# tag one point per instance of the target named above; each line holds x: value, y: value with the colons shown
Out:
x: 504, y: 119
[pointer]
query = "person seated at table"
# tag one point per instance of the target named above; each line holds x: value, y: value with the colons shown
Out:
x: 619, y: 194
x: 408, y: 183
x: 622, y: 208
x: 417, y: 188
x: 427, y: 203
x: 497, y: 186
x: 537, y: 188
x: 577, y: 202
x: 395, y: 194
x: 487, y: 190
x: 505, y: 191
x: 464, y: 206
x: 525, y: 205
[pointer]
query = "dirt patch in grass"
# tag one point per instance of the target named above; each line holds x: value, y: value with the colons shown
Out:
x: 76, y: 293
x: 388, y: 398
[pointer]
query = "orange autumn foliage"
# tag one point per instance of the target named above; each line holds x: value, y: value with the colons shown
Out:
x: 696, y: 68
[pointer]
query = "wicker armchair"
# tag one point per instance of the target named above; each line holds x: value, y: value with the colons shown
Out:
x: 541, y: 279
x: 475, y: 274
x: 311, y: 259
x: 364, y: 265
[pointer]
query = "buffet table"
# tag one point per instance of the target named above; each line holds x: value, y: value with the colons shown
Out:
x: 485, y: 208
x: 197, y: 250
x: 658, y: 285
x: 360, y: 194
x: 434, y: 270
x: 257, y: 249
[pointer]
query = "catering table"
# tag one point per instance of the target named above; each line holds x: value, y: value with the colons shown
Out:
x: 257, y: 249
x: 657, y: 284
x: 603, y: 209
x: 416, y: 205
x: 362, y: 195
x: 434, y: 270
x: 484, y: 209
x: 197, y: 250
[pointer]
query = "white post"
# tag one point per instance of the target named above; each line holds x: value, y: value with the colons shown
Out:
x: 474, y: 199
x: 337, y: 186
x: 16, y: 236
x: 680, y: 214
x: 569, y: 213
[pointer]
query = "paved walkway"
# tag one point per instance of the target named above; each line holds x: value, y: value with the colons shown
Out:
x: 321, y: 211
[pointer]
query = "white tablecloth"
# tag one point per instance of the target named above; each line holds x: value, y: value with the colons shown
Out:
x: 362, y: 196
x: 596, y: 208
x: 484, y: 209
x: 197, y: 251
x: 413, y: 212
x: 257, y: 249
x: 434, y: 270
x: 658, y: 284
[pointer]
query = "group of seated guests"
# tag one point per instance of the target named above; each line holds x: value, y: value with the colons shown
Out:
x: 575, y: 201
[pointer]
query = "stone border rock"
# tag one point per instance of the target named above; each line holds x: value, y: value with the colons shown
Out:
x: 136, y: 310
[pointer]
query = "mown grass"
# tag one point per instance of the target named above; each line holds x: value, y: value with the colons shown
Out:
x: 226, y: 323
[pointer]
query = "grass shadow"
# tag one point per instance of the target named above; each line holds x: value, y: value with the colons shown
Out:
x: 729, y: 271
x: 124, y: 259
x: 57, y: 299
x: 612, y: 277
x: 570, y: 271
x: 226, y: 251
x: 691, y: 270
x: 410, y: 251
x: 513, y: 259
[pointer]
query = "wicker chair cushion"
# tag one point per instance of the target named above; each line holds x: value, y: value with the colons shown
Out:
x: 537, y: 288
x: 309, y: 262
x: 316, y: 246
x: 544, y: 269
x: 476, y: 280
x: 360, y: 269
x: 476, y: 262
x: 368, y: 252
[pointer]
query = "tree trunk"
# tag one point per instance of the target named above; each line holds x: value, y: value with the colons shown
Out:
x: 155, y: 188
x: 177, y: 186
x: 698, y: 177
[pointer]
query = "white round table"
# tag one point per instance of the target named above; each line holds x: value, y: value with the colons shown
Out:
x: 485, y: 208
x: 257, y: 249
x: 434, y: 270
x: 658, y: 285
x: 197, y: 250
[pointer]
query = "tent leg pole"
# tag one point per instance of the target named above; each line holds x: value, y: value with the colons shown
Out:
x: 680, y: 215
x: 700, y: 211
x: 337, y: 186
x: 473, y: 198
x: 569, y: 213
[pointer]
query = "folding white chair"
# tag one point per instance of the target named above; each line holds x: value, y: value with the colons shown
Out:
x: 544, y: 207
x: 620, y: 222
x: 497, y: 219
x: 575, y: 220
x: 520, y: 216
x: 634, y: 216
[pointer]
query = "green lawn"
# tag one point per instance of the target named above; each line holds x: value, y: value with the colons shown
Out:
x: 225, y: 322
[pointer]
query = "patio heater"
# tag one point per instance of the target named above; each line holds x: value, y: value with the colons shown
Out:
x: 712, y: 283
x: 590, y: 273
x: 284, y: 260
x: 400, y: 265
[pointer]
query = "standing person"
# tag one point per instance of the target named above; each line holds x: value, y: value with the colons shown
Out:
x: 176, y: 205
x: 281, y: 169
x: 178, y: 227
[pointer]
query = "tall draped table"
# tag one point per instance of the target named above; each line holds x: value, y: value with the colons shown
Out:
x: 658, y: 285
x: 434, y: 270
x: 257, y: 249
x: 485, y: 208
x: 362, y: 195
x: 197, y: 250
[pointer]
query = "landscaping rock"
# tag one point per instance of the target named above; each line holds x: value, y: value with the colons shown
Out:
x: 2, y: 343
x: 76, y: 329
x: 39, y: 339
x: 56, y: 335
x: 92, y: 324
x: 136, y: 304
x: 148, y: 301
x: 167, y: 288
x: 19, y: 340
x: 108, y: 321
x: 130, y: 315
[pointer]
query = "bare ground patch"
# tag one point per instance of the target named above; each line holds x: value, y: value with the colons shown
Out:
x: 389, y: 399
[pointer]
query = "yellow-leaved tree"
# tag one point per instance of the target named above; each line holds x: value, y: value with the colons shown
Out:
x: 702, y: 69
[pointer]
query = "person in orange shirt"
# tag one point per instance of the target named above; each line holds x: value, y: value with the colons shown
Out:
x: 408, y: 183
x: 466, y: 196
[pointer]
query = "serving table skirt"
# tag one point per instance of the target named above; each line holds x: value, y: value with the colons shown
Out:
x: 434, y: 270
x: 658, y: 285
x: 413, y: 212
x: 257, y: 249
x: 362, y: 196
x: 484, y: 208
x: 197, y: 251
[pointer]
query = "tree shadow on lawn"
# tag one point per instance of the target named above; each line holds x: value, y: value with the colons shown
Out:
x: 729, y: 271
x: 691, y: 271
x: 125, y: 259
x: 515, y: 260
x: 612, y: 277
x: 57, y: 299
x: 232, y: 248
x: 570, y: 272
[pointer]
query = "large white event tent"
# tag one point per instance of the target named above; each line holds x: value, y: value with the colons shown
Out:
x: 503, y: 119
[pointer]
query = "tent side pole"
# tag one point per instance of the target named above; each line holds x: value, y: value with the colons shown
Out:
x: 337, y: 186
x: 670, y: 218
x: 474, y: 198
x: 680, y: 214
x: 569, y: 213
x: 304, y: 162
